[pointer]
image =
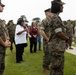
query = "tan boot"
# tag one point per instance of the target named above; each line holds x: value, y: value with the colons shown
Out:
x: 46, y: 69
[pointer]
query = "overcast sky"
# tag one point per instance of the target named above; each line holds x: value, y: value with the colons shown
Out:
x: 35, y: 8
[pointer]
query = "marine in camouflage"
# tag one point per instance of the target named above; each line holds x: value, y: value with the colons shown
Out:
x: 46, y: 28
x: 57, y: 47
x: 11, y: 31
x: 2, y: 49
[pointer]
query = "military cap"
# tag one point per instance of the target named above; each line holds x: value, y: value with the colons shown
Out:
x: 58, y: 1
x: 47, y: 10
x: 1, y: 4
x: 24, y: 18
x: 10, y: 20
x: 36, y: 19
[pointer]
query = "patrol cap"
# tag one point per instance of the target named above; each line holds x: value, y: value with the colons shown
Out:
x: 1, y: 4
x: 58, y: 1
x: 36, y: 19
x: 10, y: 20
x: 47, y: 10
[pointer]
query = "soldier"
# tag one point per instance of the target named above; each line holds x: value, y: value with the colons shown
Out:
x: 75, y: 33
x: 46, y: 29
x: 69, y: 33
x: 4, y: 42
x: 57, y: 39
x: 11, y: 31
x: 6, y: 30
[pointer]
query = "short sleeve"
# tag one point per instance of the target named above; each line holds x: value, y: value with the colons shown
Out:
x: 58, y: 30
x: 57, y: 25
x: 18, y: 29
x: 44, y: 24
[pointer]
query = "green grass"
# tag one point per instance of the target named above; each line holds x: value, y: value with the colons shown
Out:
x: 74, y: 45
x: 32, y: 64
x: 70, y: 64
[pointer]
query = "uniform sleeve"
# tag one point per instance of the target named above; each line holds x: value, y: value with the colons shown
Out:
x: 58, y: 30
x: 41, y: 28
x: 57, y: 25
x: 42, y: 25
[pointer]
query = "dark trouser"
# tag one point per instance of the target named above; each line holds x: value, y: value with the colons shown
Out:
x: 11, y: 47
x: 2, y: 68
x: 12, y: 41
x: 57, y: 63
x: 19, y: 52
x: 2, y: 62
x: 75, y: 39
x: 46, y: 57
x: 69, y: 43
x: 33, y: 43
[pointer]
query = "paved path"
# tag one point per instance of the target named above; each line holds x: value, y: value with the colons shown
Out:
x: 73, y: 51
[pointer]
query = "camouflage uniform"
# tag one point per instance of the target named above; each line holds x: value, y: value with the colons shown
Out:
x: 69, y: 33
x: 11, y: 31
x: 46, y: 27
x: 57, y: 47
x: 2, y: 49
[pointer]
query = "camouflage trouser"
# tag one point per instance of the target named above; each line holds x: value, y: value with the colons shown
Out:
x: 57, y: 63
x: 12, y: 41
x: 75, y: 39
x: 2, y: 63
x: 70, y: 41
x: 2, y: 67
x: 46, y: 58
